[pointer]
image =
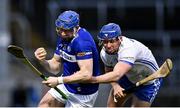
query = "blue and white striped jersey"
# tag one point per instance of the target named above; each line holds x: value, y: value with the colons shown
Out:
x: 136, y: 54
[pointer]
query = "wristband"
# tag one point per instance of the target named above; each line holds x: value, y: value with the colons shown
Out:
x: 60, y: 80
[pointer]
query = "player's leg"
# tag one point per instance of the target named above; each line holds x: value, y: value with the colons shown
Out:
x: 53, y: 98
x: 49, y: 101
x: 139, y: 103
x: 81, y: 101
x: 120, y: 101
x: 110, y: 102
x: 145, y: 95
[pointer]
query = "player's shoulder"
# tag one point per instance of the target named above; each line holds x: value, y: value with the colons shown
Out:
x: 83, y: 32
x: 82, y: 39
x: 83, y: 36
x: 128, y: 43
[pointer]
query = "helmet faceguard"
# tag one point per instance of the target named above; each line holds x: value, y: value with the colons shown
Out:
x: 109, y: 31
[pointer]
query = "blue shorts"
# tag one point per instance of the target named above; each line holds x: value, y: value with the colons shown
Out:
x: 145, y: 92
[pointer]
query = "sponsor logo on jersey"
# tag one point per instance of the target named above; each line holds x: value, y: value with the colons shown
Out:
x: 68, y: 57
x: 83, y: 53
x: 128, y: 58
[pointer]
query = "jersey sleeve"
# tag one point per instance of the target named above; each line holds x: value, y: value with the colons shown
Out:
x: 83, y: 50
x: 128, y: 55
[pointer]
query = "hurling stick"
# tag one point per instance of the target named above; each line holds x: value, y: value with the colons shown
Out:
x: 163, y: 71
x: 18, y: 52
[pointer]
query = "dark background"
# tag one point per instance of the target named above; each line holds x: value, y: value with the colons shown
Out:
x: 153, y: 22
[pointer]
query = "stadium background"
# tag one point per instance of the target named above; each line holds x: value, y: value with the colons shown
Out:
x: 30, y: 24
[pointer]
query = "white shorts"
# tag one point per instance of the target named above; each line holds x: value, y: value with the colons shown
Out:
x: 74, y: 100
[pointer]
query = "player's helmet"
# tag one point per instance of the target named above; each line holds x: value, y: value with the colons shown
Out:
x: 67, y: 20
x: 109, y: 31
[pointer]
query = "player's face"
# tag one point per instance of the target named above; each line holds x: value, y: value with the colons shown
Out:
x: 65, y: 34
x: 111, y: 45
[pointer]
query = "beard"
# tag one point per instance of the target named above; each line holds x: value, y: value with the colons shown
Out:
x: 67, y: 39
x: 111, y: 52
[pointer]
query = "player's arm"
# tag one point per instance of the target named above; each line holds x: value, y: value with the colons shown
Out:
x: 85, y: 63
x: 83, y: 75
x: 119, y: 70
x: 109, y: 69
x: 84, y: 59
x: 116, y: 87
x: 52, y: 65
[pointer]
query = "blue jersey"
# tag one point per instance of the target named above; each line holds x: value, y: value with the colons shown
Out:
x: 81, y: 47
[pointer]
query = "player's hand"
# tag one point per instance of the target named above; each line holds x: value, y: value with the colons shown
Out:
x: 40, y: 54
x: 51, y: 81
x: 118, y: 91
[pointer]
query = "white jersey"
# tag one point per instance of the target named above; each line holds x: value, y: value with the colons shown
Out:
x: 136, y: 54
